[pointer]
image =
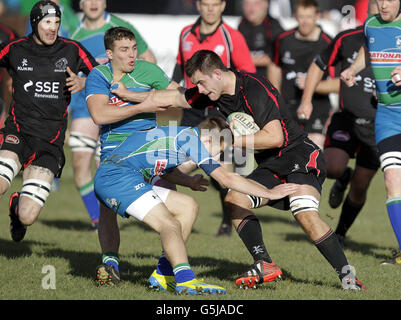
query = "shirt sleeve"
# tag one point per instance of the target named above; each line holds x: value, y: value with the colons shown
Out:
x: 86, y: 61
x: 96, y: 83
x: 197, y: 100
x: 188, y: 142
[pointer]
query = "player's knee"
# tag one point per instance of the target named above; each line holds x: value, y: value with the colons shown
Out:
x: 28, y: 211
x: 79, y: 142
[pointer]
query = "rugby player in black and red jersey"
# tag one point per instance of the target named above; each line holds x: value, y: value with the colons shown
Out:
x: 351, y: 131
x: 284, y: 154
x: 43, y: 68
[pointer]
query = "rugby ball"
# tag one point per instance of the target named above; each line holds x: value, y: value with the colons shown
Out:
x: 243, y: 123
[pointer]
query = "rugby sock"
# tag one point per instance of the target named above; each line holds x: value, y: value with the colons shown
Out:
x: 394, y: 213
x: 164, y: 267
x: 183, y: 273
x: 111, y: 259
x: 90, y: 201
x: 330, y: 248
x: 349, y: 212
x: 250, y: 233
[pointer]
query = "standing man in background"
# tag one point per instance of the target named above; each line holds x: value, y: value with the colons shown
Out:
x: 84, y: 134
x: 259, y: 30
x: 294, y: 52
x: 210, y: 32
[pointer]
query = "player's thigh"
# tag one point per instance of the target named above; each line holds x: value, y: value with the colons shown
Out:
x: 9, y: 168
x: 85, y: 126
x: 179, y: 204
x: 336, y: 161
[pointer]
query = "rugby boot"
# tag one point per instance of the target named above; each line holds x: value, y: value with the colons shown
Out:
x: 107, y: 275
x: 260, y: 272
x: 395, y: 259
x: 198, y: 287
x: 353, y: 284
x: 17, y: 229
x: 338, y: 189
x: 160, y: 282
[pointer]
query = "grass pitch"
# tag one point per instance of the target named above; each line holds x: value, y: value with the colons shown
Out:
x: 58, y: 257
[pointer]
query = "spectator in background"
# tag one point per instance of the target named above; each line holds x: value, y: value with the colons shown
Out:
x: 259, y: 30
x: 210, y: 32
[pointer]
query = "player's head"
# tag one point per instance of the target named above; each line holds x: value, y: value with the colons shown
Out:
x: 215, y: 135
x: 45, y: 21
x: 211, y: 10
x: 389, y: 10
x: 205, y: 69
x: 121, y: 48
x: 306, y: 14
x: 93, y: 9
x: 255, y: 10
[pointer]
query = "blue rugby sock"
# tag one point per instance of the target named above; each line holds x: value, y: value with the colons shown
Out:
x: 164, y: 267
x: 90, y: 201
x: 394, y: 213
x: 183, y: 273
x: 111, y: 259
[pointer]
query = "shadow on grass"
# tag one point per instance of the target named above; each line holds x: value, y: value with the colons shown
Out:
x: 368, y: 249
x: 67, y: 224
x: 11, y: 250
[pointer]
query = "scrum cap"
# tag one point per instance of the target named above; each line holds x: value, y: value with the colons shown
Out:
x: 43, y: 9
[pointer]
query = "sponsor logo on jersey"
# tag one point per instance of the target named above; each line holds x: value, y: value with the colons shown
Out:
x: 219, y: 50
x: 43, y: 89
x: 340, y: 135
x: 24, y: 66
x: 187, y: 45
x: 10, y: 138
x: 398, y: 41
x: 115, y: 101
x: 61, y: 65
x: 287, y: 58
x: 160, y: 165
x: 385, y: 57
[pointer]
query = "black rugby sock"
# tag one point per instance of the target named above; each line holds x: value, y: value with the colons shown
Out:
x: 349, y: 212
x: 330, y: 248
x: 250, y: 233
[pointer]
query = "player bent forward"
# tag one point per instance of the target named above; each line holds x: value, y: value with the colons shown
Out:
x: 120, y: 185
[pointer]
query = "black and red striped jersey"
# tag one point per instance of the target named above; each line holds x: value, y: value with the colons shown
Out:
x: 40, y: 96
x: 294, y: 56
x: 257, y: 97
x: 358, y: 100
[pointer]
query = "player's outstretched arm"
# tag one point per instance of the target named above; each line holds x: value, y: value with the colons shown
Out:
x: 104, y: 113
x: 238, y: 183
x: 173, y: 95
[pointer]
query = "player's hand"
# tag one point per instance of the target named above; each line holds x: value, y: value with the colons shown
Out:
x: 199, y: 183
x: 283, y: 190
x: 304, y: 110
x: 74, y: 82
x: 396, y: 76
x: 348, y: 76
x: 120, y: 90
